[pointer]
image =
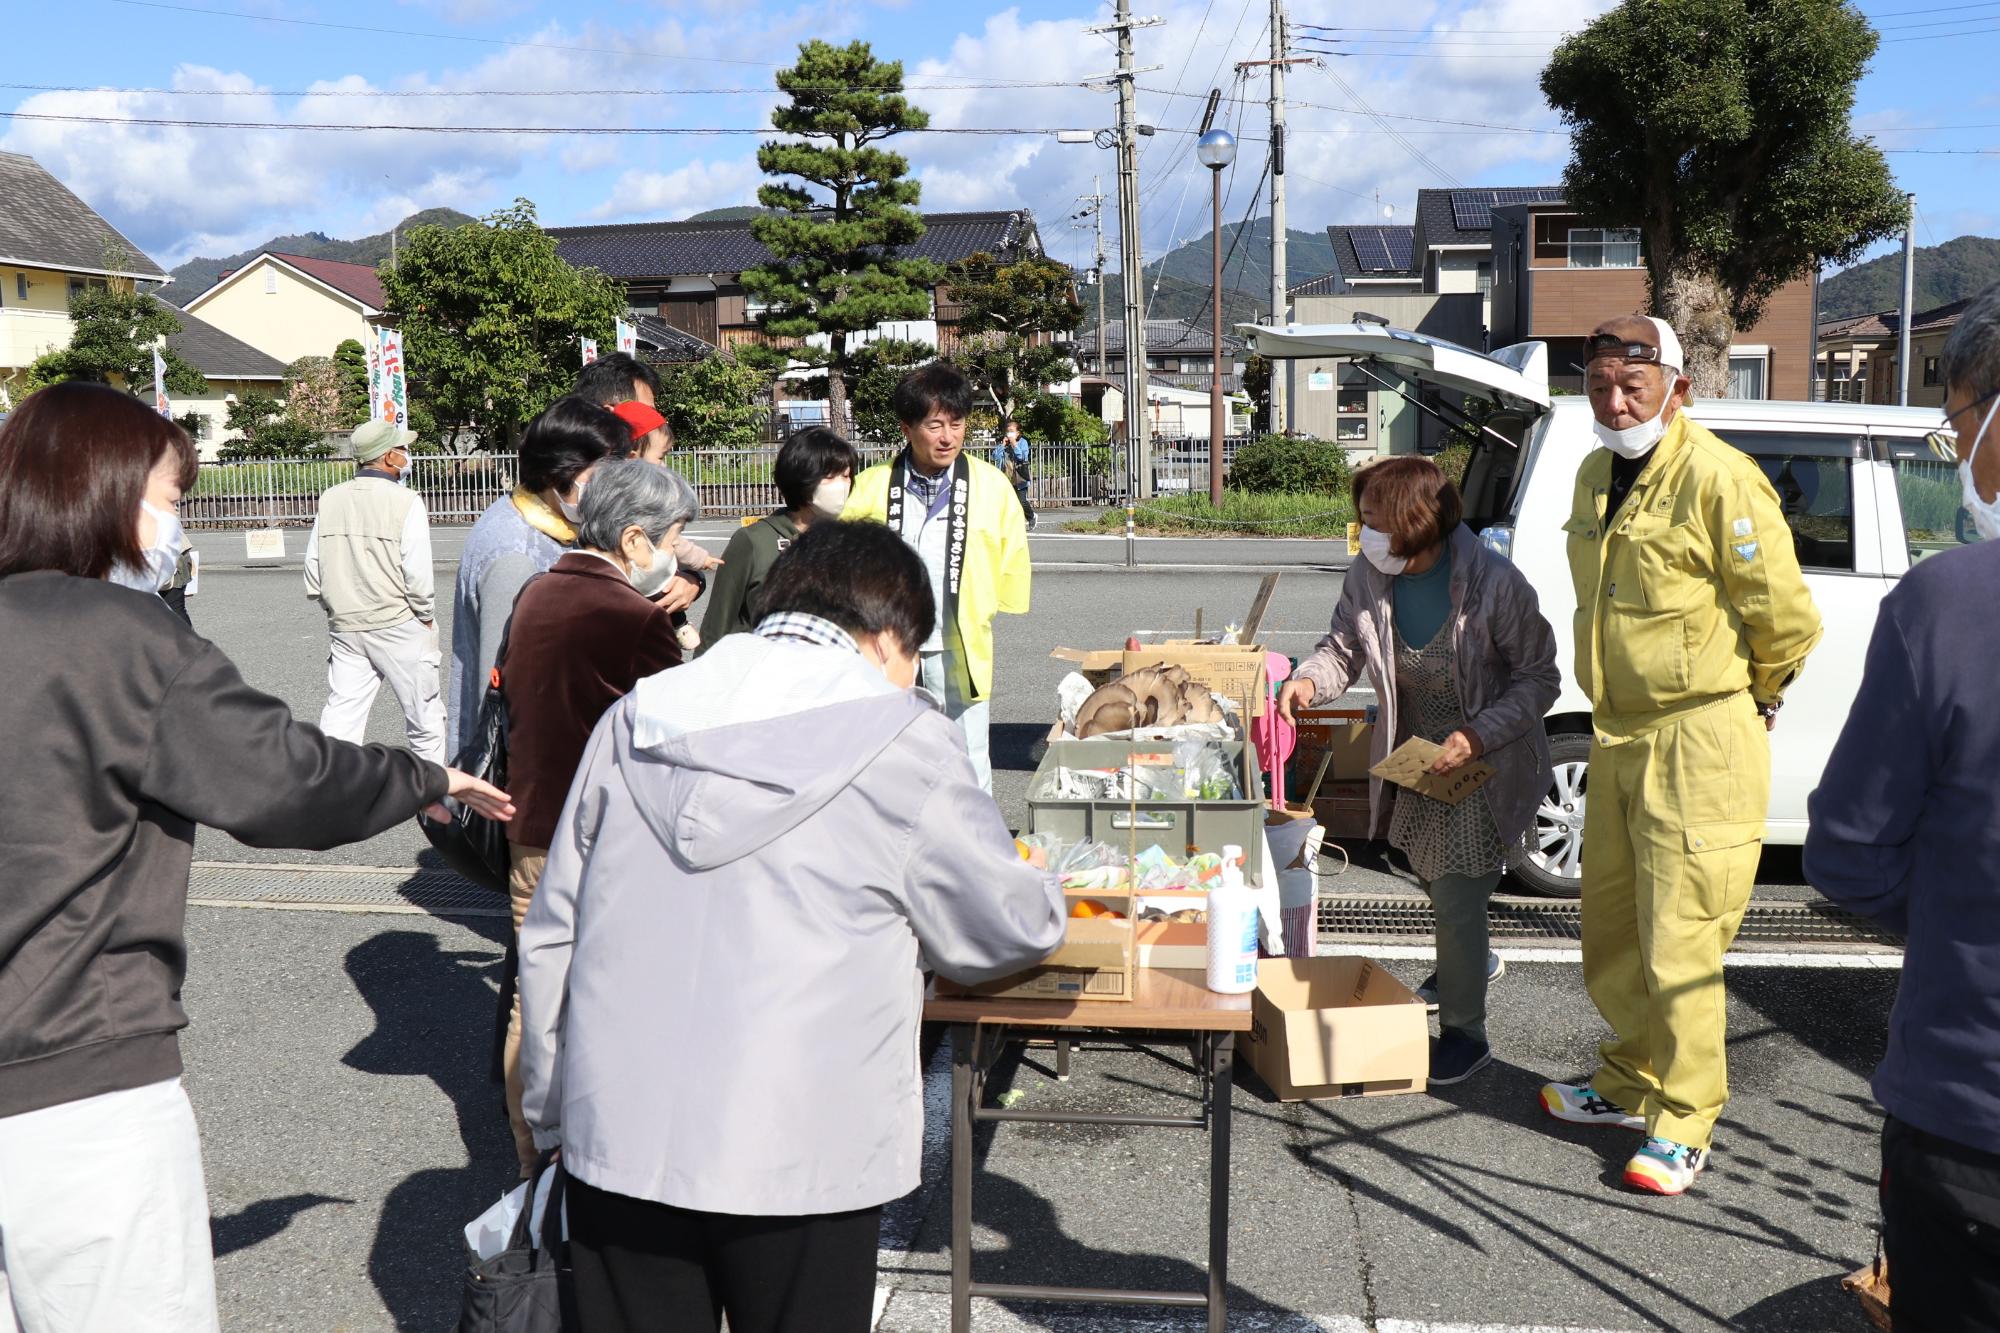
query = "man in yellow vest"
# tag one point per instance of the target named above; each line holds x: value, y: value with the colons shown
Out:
x: 961, y: 515
x: 1691, y: 620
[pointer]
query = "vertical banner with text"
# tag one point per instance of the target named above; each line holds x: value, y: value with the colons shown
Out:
x: 395, y: 405
x: 374, y: 380
x: 628, y: 339
x: 589, y: 350
x: 160, y: 403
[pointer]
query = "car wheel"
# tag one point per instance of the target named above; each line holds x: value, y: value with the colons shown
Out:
x: 1554, y: 868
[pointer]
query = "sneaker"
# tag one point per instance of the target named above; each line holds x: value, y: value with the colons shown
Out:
x: 1580, y: 1104
x: 1496, y: 968
x: 1665, y: 1167
x: 1456, y: 1057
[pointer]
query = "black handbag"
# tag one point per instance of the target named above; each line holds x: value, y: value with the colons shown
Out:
x: 522, y: 1289
x: 470, y: 843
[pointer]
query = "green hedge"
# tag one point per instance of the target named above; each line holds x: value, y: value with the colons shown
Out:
x: 1290, y: 465
x: 1243, y: 514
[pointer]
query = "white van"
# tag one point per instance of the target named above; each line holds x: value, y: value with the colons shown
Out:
x: 1864, y: 496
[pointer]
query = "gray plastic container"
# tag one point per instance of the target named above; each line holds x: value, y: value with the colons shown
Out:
x: 1176, y: 825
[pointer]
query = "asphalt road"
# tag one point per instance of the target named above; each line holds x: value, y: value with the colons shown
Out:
x: 338, y: 1063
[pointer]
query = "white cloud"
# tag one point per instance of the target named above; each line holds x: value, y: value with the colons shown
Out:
x: 694, y: 188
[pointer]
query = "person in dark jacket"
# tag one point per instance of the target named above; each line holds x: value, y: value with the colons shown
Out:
x: 815, y: 473
x: 1905, y: 827
x: 583, y: 635
x: 125, y: 729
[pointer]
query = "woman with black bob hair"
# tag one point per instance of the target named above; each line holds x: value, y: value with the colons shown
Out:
x: 125, y: 729
x: 814, y: 472
x: 519, y: 536
x: 782, y: 818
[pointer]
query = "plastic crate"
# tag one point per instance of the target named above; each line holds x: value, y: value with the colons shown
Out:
x: 1175, y: 824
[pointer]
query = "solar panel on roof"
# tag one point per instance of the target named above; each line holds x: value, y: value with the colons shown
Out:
x: 1402, y: 248
x: 1472, y: 210
x: 1369, y: 249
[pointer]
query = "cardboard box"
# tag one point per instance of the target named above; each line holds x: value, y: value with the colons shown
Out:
x: 1090, y: 963
x: 1234, y: 671
x: 1409, y: 764
x: 1336, y: 1027
x: 1342, y: 808
x: 1174, y: 944
x: 1348, y: 740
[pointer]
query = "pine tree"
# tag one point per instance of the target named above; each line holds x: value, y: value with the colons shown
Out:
x: 844, y: 211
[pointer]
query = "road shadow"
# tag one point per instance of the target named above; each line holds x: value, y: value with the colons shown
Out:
x: 433, y: 1011
x: 1819, y: 1305
x: 256, y: 1223
x: 1017, y: 747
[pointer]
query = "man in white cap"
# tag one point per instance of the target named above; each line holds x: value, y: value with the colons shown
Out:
x: 368, y: 562
x: 1692, y: 619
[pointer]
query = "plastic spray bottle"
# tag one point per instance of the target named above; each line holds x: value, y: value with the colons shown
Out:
x: 1232, y: 929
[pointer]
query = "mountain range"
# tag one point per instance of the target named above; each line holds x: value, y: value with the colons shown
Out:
x: 198, y: 275
x: 1962, y: 267
x: 1177, y: 283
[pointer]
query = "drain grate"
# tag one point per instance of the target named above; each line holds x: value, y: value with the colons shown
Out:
x: 1351, y: 916
x: 336, y: 887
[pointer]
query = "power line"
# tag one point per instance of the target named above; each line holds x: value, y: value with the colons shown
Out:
x: 637, y: 130
x: 514, y: 92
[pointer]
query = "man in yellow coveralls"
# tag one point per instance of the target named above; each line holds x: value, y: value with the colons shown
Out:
x: 1691, y: 619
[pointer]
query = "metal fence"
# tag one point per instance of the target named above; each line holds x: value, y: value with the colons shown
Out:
x: 456, y: 489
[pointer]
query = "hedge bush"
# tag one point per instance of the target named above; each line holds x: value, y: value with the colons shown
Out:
x: 1292, y: 465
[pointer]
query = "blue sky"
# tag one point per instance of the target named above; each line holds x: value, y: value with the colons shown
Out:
x: 1455, y: 81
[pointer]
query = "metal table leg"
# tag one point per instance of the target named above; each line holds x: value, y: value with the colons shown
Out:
x: 963, y: 1091
x: 1221, y: 1063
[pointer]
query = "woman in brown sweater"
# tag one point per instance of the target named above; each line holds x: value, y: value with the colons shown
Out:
x: 583, y: 635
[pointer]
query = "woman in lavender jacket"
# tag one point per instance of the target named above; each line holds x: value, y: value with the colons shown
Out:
x: 1454, y: 640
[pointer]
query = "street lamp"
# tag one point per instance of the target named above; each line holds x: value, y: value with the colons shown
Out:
x: 1215, y: 150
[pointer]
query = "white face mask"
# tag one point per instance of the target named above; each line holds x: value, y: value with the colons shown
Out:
x: 830, y: 496
x: 160, y: 559
x: 649, y: 579
x: 1985, y: 513
x: 1637, y: 441
x: 1375, y: 545
x: 572, y: 506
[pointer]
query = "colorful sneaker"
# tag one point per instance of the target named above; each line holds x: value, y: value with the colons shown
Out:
x: 1427, y: 991
x: 1580, y: 1104
x: 1665, y: 1167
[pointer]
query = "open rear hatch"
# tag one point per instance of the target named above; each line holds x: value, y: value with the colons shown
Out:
x: 1515, y: 379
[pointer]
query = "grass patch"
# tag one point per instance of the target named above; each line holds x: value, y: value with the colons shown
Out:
x: 1243, y: 513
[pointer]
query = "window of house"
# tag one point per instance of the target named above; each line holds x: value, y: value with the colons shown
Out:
x: 1552, y: 235
x: 1748, y: 374
x: 1170, y: 364
x: 1927, y: 491
x: 1812, y: 475
x: 78, y: 286
x: 1355, y: 428
x: 1353, y: 401
x: 1603, y: 247
x: 21, y: 286
x: 270, y: 281
x: 1485, y: 278
x: 1930, y: 372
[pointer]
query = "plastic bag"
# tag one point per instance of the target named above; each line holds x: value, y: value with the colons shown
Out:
x: 488, y: 1234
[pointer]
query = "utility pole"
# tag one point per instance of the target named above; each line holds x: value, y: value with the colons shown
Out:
x: 1131, y: 257
x: 1094, y: 202
x: 1280, y: 421
x: 1909, y: 299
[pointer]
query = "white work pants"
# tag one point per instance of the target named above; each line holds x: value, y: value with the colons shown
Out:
x: 104, y: 1217
x: 942, y: 676
x: 406, y: 656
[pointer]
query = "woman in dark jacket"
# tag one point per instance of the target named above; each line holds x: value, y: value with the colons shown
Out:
x: 125, y: 729
x: 583, y: 635
x: 1461, y: 655
x: 814, y: 472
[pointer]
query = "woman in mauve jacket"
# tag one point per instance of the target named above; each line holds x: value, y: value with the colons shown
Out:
x: 125, y: 729
x: 1455, y: 641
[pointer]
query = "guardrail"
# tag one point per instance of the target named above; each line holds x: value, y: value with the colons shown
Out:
x: 456, y: 489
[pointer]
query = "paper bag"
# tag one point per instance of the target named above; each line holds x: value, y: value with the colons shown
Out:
x: 1408, y: 765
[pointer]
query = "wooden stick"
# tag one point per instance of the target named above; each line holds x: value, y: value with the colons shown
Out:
x: 1325, y: 762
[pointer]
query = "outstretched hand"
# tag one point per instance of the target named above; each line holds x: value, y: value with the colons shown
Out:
x: 1294, y: 695
x: 482, y: 796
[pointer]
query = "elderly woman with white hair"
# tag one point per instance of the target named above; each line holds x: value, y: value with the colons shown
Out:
x: 582, y: 636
